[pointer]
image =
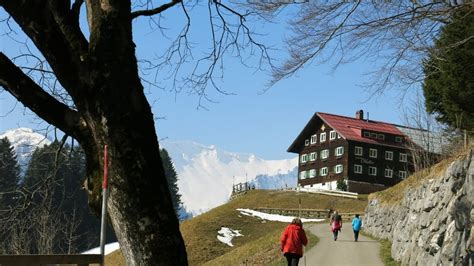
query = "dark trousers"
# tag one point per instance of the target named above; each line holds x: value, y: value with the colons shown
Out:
x: 356, y: 235
x: 335, y: 233
x: 292, y: 259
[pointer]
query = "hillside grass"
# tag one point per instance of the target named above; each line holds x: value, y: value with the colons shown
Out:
x: 385, y: 251
x: 260, y: 238
x: 395, y: 194
x: 200, y: 233
x: 263, y: 251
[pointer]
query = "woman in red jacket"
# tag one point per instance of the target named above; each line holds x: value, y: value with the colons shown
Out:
x: 292, y: 241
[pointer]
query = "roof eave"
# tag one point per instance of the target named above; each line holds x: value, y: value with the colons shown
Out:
x: 293, y: 146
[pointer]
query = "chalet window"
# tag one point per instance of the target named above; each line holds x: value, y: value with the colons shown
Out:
x: 373, y: 135
x: 358, y: 151
x: 323, y: 171
x: 312, y: 156
x: 312, y: 173
x: 338, y: 168
x: 389, y: 155
x: 306, y: 142
x: 302, y: 174
x: 332, y: 135
x: 322, y: 137
x: 373, y: 153
x: 372, y: 170
x: 338, y: 135
x: 381, y: 136
x: 339, y: 151
x: 324, y: 154
x: 398, y: 139
x: 366, y: 134
x: 403, y: 157
x: 388, y: 173
x: 304, y: 158
x: 357, y: 168
x: 314, y: 138
x: 402, y: 174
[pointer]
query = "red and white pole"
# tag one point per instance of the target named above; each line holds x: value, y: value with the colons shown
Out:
x: 105, y: 185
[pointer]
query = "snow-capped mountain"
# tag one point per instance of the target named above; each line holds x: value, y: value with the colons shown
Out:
x: 205, y: 173
x: 25, y: 141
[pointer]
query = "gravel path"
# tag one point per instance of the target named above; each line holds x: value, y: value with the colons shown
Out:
x: 344, y: 251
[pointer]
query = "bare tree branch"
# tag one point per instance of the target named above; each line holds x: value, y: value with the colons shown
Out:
x: 154, y: 11
x: 25, y: 90
x: 45, y: 21
x: 394, y: 35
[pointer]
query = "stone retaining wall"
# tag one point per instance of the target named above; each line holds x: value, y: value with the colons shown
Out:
x: 433, y: 223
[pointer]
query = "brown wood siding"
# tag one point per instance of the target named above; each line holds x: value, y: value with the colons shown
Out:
x: 330, y: 162
x: 380, y: 162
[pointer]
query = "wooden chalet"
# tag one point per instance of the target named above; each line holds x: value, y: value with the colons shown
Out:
x: 366, y: 155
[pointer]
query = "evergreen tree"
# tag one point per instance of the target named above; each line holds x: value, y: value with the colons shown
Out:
x: 56, y: 176
x: 172, y: 179
x: 449, y: 81
x: 9, y: 173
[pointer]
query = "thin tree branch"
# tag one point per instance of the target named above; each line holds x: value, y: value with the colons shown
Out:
x: 154, y: 11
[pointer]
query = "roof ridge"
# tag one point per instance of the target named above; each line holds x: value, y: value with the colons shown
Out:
x: 356, y: 119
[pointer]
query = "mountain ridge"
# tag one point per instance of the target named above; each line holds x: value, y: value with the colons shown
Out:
x: 206, y: 173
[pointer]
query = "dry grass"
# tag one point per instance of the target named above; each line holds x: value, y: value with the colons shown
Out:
x: 395, y: 194
x: 259, y: 237
x: 263, y: 251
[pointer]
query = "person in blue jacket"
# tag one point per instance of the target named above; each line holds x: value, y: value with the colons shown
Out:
x: 356, y: 225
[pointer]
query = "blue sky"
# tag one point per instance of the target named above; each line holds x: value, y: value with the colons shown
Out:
x: 248, y: 121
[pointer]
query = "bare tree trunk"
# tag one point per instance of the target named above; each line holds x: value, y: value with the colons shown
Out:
x: 139, y: 205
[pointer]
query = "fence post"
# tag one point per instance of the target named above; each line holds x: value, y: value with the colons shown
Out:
x: 465, y: 139
x: 104, y: 205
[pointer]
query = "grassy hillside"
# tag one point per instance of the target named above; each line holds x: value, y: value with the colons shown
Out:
x: 259, y: 242
x: 394, y: 195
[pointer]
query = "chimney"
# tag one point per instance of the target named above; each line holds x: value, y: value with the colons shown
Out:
x: 360, y: 114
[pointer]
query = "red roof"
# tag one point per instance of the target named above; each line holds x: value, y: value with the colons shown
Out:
x: 350, y: 128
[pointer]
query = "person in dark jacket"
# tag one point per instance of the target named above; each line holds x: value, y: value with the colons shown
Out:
x: 292, y: 241
x: 356, y: 225
x: 336, y: 224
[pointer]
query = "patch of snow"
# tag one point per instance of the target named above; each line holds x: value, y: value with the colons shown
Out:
x: 225, y: 235
x: 274, y: 217
x: 109, y: 248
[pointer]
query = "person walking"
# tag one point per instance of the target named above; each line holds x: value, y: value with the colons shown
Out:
x: 336, y: 224
x: 356, y: 225
x: 292, y: 241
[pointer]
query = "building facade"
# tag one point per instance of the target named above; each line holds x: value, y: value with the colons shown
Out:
x: 363, y: 154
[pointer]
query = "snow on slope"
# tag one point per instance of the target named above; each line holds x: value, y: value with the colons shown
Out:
x: 206, y: 173
x: 25, y: 141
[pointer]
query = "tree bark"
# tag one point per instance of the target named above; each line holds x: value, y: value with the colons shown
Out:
x: 110, y: 108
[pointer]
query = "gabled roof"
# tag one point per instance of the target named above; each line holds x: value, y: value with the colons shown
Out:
x: 349, y: 128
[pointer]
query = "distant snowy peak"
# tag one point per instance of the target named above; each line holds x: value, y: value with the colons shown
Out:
x: 25, y: 141
x: 187, y: 151
x: 206, y: 173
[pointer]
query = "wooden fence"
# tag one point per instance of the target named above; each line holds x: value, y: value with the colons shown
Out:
x: 307, y: 213
x: 304, y: 213
x: 42, y: 260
